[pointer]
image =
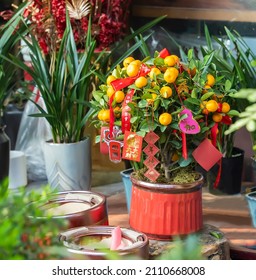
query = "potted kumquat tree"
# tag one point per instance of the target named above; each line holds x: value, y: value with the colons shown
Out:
x: 166, y: 117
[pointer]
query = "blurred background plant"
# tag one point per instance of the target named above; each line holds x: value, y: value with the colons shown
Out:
x: 22, y: 235
x: 189, y: 248
x: 246, y: 118
x: 8, y: 72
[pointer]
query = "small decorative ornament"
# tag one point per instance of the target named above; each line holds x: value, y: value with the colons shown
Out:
x: 152, y: 174
x: 206, y: 154
x: 187, y: 125
x: 109, y: 145
x: 150, y: 150
x: 126, y: 124
x: 115, y: 151
x: 132, y: 146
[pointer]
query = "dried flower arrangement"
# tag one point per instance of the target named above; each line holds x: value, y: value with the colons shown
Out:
x: 109, y: 20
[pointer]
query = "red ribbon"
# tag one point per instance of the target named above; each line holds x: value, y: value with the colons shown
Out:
x: 214, y: 132
x: 184, y: 145
x: 112, y: 116
x: 119, y: 84
x: 217, y: 180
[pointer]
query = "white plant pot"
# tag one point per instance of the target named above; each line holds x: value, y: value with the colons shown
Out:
x: 68, y: 166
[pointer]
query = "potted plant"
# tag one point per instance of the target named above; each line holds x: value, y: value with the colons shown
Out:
x: 63, y: 79
x: 63, y: 67
x: 28, y: 239
x: 8, y: 40
x: 233, y: 55
x: 247, y: 119
x: 166, y: 117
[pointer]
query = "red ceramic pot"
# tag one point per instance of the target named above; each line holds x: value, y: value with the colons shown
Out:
x: 163, y: 211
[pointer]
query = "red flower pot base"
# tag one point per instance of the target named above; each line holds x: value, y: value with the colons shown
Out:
x: 165, y: 213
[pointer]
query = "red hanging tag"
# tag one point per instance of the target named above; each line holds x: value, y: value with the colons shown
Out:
x: 115, y: 151
x: 132, y: 146
x: 206, y: 154
x: 152, y: 174
x: 126, y: 125
x: 150, y: 150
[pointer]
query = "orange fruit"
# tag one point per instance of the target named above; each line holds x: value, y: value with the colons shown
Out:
x: 132, y: 70
x: 154, y: 72
x: 105, y: 115
x: 169, y: 60
x: 210, y: 80
x: 203, y: 107
x: 100, y: 115
x: 127, y: 61
x: 141, y: 82
x: 206, y: 88
x: 211, y: 105
x: 176, y: 58
x: 166, y: 92
x: 110, y: 91
x: 119, y: 96
x: 136, y: 62
x: 165, y: 119
x: 217, y: 117
x: 225, y: 107
x: 171, y: 74
x: 110, y: 79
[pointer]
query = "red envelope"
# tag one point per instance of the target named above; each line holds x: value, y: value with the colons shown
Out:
x: 207, y: 155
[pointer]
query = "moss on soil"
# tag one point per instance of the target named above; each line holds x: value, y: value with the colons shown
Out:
x: 179, y: 176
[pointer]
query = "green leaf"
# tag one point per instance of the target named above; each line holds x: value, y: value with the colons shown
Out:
x: 194, y: 93
x: 184, y: 162
x: 207, y: 95
x: 228, y: 85
x: 251, y: 125
x: 233, y: 113
x: 216, y: 234
x: 143, y: 104
x: 193, y: 101
x: 190, y: 54
x: 134, y: 119
x: 98, y: 95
